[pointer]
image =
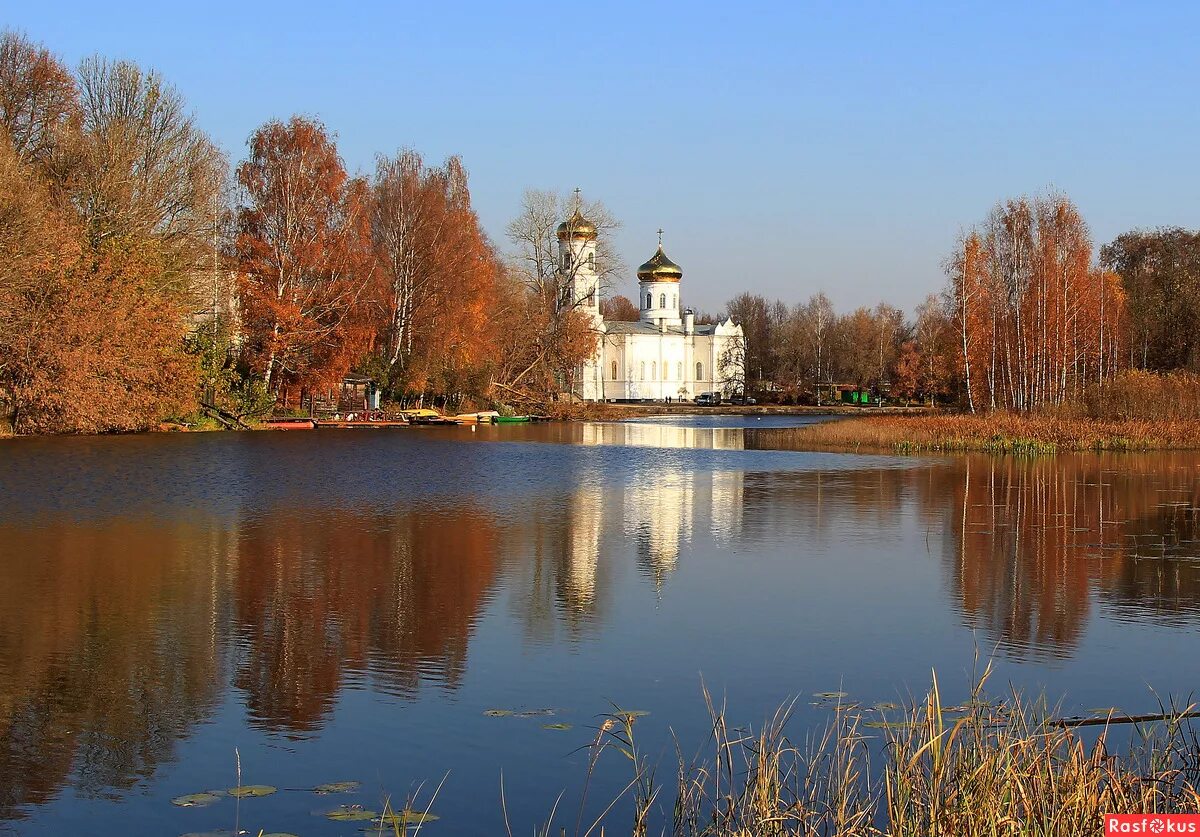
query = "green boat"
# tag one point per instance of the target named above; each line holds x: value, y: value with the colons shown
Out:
x: 510, y: 419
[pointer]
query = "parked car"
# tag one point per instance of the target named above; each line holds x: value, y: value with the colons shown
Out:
x: 742, y: 400
x: 708, y: 399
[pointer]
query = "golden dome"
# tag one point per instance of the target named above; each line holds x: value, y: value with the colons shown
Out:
x: 660, y: 269
x: 576, y: 227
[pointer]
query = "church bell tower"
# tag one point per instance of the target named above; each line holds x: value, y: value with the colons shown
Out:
x: 579, y: 282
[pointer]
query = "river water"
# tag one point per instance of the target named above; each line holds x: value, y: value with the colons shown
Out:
x: 370, y: 606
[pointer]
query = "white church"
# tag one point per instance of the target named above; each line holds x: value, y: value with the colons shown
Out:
x: 662, y: 355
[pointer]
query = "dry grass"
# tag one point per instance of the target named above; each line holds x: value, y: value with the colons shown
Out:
x: 1033, y: 433
x: 978, y: 770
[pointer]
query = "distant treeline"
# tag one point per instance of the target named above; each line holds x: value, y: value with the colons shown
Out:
x: 1026, y: 319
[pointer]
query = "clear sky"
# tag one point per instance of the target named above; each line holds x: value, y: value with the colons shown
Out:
x: 785, y: 148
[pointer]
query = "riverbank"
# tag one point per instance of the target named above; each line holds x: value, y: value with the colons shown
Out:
x: 616, y: 412
x: 1034, y: 433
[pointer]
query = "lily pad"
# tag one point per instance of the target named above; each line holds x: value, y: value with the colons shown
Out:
x: 498, y: 713
x: 562, y: 727
x: 350, y: 813
x: 830, y: 695
x: 534, y: 713
x: 336, y: 787
x: 887, y: 724
x: 885, y: 706
x: 406, y: 817
x: 277, y: 834
x: 195, y: 800
x: 251, y: 790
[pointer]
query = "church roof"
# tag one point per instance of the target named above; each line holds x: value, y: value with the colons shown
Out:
x: 576, y: 227
x: 660, y: 269
x: 624, y: 327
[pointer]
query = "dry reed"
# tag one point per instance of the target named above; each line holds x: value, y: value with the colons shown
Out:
x: 978, y: 770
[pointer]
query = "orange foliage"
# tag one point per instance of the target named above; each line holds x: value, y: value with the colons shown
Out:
x: 438, y: 277
x: 1037, y: 323
x: 303, y: 251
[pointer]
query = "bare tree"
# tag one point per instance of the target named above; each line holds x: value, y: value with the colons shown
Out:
x: 731, y: 365
x: 146, y: 169
x: 533, y: 235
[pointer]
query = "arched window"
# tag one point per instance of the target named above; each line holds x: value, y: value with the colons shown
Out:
x: 666, y: 371
x: 653, y: 371
x: 680, y: 370
x: 699, y: 371
x: 649, y: 301
x: 614, y: 370
x: 673, y: 301
x: 662, y: 300
x: 592, y: 260
x: 642, y: 370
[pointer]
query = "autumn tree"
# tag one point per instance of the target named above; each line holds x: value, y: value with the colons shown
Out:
x: 39, y: 101
x: 935, y: 336
x: 112, y: 194
x: 556, y: 339
x: 304, y: 256
x: 619, y: 308
x: 437, y: 277
x: 1160, y: 277
x: 1037, y: 322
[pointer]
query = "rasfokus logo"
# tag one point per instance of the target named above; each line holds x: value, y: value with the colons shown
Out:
x: 1151, y: 824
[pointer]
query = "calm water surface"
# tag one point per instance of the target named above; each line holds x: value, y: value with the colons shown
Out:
x: 347, y: 606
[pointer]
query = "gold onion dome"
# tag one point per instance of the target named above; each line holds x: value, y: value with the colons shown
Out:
x: 660, y: 269
x: 576, y: 227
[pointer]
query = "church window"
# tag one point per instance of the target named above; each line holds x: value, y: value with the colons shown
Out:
x: 649, y: 300
x: 662, y: 300
x: 642, y: 370
x: 680, y: 370
x: 614, y: 370
x: 566, y: 261
x: 666, y: 372
x: 699, y: 371
x: 653, y: 371
x: 673, y: 300
x: 592, y: 260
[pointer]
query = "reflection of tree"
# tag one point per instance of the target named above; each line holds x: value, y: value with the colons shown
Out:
x: 115, y: 638
x: 110, y: 650
x: 1032, y: 539
x: 318, y: 594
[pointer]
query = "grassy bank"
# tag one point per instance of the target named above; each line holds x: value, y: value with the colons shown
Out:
x: 1034, y: 433
x: 1006, y: 767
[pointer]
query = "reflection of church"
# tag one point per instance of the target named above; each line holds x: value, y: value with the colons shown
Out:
x: 658, y: 517
x: 665, y: 354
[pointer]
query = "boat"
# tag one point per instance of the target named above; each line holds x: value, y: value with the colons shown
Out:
x: 482, y: 417
x: 512, y: 419
x: 289, y: 424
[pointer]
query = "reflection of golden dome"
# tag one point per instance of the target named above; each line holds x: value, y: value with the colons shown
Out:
x: 576, y: 227
x: 660, y: 269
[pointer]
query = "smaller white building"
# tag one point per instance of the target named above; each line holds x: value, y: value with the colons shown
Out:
x: 665, y: 354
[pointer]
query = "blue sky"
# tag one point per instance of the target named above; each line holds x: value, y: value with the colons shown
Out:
x: 785, y: 148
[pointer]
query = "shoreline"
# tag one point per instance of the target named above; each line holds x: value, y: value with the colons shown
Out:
x: 1032, y: 434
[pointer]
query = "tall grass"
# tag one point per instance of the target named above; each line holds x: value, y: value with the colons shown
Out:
x: 981, y: 769
x: 1135, y: 411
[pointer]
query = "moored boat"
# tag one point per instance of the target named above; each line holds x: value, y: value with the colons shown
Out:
x: 289, y: 424
x: 511, y: 419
